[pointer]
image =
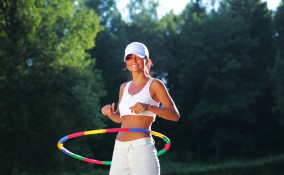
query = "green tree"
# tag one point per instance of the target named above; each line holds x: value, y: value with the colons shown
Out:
x: 262, y: 58
x: 140, y: 10
x: 218, y: 56
x: 143, y: 23
x: 110, y: 45
x: 279, y: 64
x: 48, y: 85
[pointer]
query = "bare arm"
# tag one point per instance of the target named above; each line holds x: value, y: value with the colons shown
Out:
x: 108, y: 110
x: 159, y: 93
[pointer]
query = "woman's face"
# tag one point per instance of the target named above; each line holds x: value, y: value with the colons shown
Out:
x: 134, y: 63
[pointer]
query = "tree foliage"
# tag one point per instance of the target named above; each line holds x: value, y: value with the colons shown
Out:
x: 61, y: 61
x: 279, y: 64
x: 48, y: 85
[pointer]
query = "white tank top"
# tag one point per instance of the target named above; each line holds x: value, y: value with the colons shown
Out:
x: 129, y: 100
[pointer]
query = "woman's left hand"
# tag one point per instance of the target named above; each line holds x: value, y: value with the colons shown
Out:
x: 139, y: 107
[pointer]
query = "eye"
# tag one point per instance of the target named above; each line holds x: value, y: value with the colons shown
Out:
x: 129, y: 57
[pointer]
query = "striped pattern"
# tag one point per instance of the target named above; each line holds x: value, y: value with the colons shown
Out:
x: 109, y: 130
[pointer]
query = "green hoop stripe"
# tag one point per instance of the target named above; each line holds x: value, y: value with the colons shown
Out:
x: 109, y: 130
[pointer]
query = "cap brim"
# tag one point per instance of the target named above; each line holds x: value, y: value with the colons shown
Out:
x: 141, y: 56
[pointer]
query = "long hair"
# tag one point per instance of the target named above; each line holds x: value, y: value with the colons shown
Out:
x: 147, y: 67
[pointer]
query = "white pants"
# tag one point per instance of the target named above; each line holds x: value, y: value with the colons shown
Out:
x: 137, y: 157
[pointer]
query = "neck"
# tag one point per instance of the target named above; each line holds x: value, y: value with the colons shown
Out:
x: 139, y: 78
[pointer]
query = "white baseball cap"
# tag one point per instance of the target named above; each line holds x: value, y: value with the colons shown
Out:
x: 136, y: 48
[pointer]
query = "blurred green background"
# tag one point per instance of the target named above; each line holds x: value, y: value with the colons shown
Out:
x: 61, y: 61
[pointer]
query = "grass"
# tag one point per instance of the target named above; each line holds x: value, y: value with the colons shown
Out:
x: 272, y: 165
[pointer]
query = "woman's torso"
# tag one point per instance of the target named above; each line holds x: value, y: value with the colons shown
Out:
x: 128, y: 120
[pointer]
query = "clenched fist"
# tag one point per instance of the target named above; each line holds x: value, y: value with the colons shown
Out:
x: 108, y: 110
x: 139, y: 107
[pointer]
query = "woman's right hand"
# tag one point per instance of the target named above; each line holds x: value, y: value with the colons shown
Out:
x: 108, y: 110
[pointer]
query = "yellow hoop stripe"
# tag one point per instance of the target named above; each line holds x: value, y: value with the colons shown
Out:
x: 99, y: 131
x: 109, y: 130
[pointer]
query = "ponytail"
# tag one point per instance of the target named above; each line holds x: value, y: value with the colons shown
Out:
x: 147, y: 68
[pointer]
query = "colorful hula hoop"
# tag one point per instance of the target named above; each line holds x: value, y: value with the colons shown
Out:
x: 110, y: 130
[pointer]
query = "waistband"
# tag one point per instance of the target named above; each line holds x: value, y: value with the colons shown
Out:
x: 135, y: 143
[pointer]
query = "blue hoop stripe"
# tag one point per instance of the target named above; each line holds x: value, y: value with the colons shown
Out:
x: 139, y: 130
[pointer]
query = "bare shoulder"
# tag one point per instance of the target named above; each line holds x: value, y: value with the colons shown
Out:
x: 122, y: 86
x: 157, y: 83
x: 159, y: 91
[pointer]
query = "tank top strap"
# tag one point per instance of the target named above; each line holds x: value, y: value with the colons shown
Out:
x: 127, y: 87
x: 128, y: 84
x: 147, y: 87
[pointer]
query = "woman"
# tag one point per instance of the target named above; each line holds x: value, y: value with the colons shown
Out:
x: 134, y: 152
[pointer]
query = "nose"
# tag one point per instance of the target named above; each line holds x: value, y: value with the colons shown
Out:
x: 133, y: 59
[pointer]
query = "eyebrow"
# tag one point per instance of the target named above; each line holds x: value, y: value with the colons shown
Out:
x: 132, y: 56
